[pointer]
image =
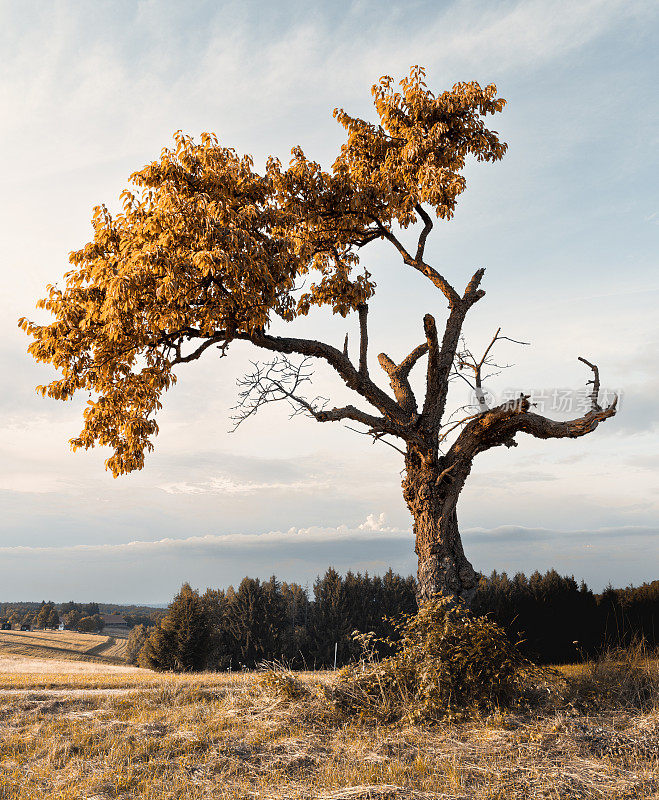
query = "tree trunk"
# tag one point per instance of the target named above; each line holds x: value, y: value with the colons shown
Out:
x: 432, y: 498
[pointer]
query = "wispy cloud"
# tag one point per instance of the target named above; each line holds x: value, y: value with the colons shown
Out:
x: 224, y: 484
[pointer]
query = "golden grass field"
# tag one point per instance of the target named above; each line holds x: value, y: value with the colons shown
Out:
x: 107, y: 732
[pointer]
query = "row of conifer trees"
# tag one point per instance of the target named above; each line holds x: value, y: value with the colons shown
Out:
x: 558, y: 620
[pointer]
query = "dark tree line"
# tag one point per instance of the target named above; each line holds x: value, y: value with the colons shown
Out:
x: 561, y: 620
x: 558, y: 619
x: 275, y: 621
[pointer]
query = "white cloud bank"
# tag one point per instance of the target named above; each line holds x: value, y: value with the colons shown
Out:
x: 212, y: 543
x: 152, y: 571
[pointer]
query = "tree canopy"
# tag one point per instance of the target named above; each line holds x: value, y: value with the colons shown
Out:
x: 208, y: 250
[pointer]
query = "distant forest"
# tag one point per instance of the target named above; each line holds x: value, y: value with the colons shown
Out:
x: 557, y: 618
x: 77, y: 616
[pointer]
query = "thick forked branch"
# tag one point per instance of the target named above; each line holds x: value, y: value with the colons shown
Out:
x: 399, y: 377
x: 440, y: 363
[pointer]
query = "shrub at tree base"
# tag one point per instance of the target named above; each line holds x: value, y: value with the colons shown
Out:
x: 446, y: 661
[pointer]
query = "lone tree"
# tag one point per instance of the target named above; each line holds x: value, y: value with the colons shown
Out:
x: 208, y: 251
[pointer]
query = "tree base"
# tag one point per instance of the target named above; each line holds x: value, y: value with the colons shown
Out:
x: 447, y: 576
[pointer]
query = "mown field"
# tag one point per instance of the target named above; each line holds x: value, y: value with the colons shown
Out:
x: 103, y: 735
x: 62, y: 645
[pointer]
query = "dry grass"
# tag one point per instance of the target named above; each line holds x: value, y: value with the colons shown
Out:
x: 248, y: 736
x: 62, y: 645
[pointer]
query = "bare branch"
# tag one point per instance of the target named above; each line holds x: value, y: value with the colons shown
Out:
x: 450, y: 428
x: 440, y: 282
x: 376, y: 438
x: 398, y: 418
x: 282, y: 379
x: 427, y: 227
x: 465, y: 360
x: 362, y: 310
x: 355, y: 414
x: 596, y: 385
x: 273, y: 382
x: 345, y: 346
x: 353, y: 379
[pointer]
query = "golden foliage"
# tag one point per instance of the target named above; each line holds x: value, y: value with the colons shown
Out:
x: 207, y: 249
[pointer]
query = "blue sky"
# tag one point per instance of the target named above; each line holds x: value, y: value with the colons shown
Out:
x: 566, y: 226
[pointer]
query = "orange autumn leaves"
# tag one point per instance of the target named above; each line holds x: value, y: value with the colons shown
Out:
x: 206, y: 248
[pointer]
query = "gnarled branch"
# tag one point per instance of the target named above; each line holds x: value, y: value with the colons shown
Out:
x: 596, y: 385
x: 499, y: 425
x: 439, y: 280
x: 399, y: 377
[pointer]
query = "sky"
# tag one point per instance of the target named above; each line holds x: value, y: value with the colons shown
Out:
x: 566, y: 226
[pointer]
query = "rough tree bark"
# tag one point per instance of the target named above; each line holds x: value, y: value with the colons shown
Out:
x: 431, y: 496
